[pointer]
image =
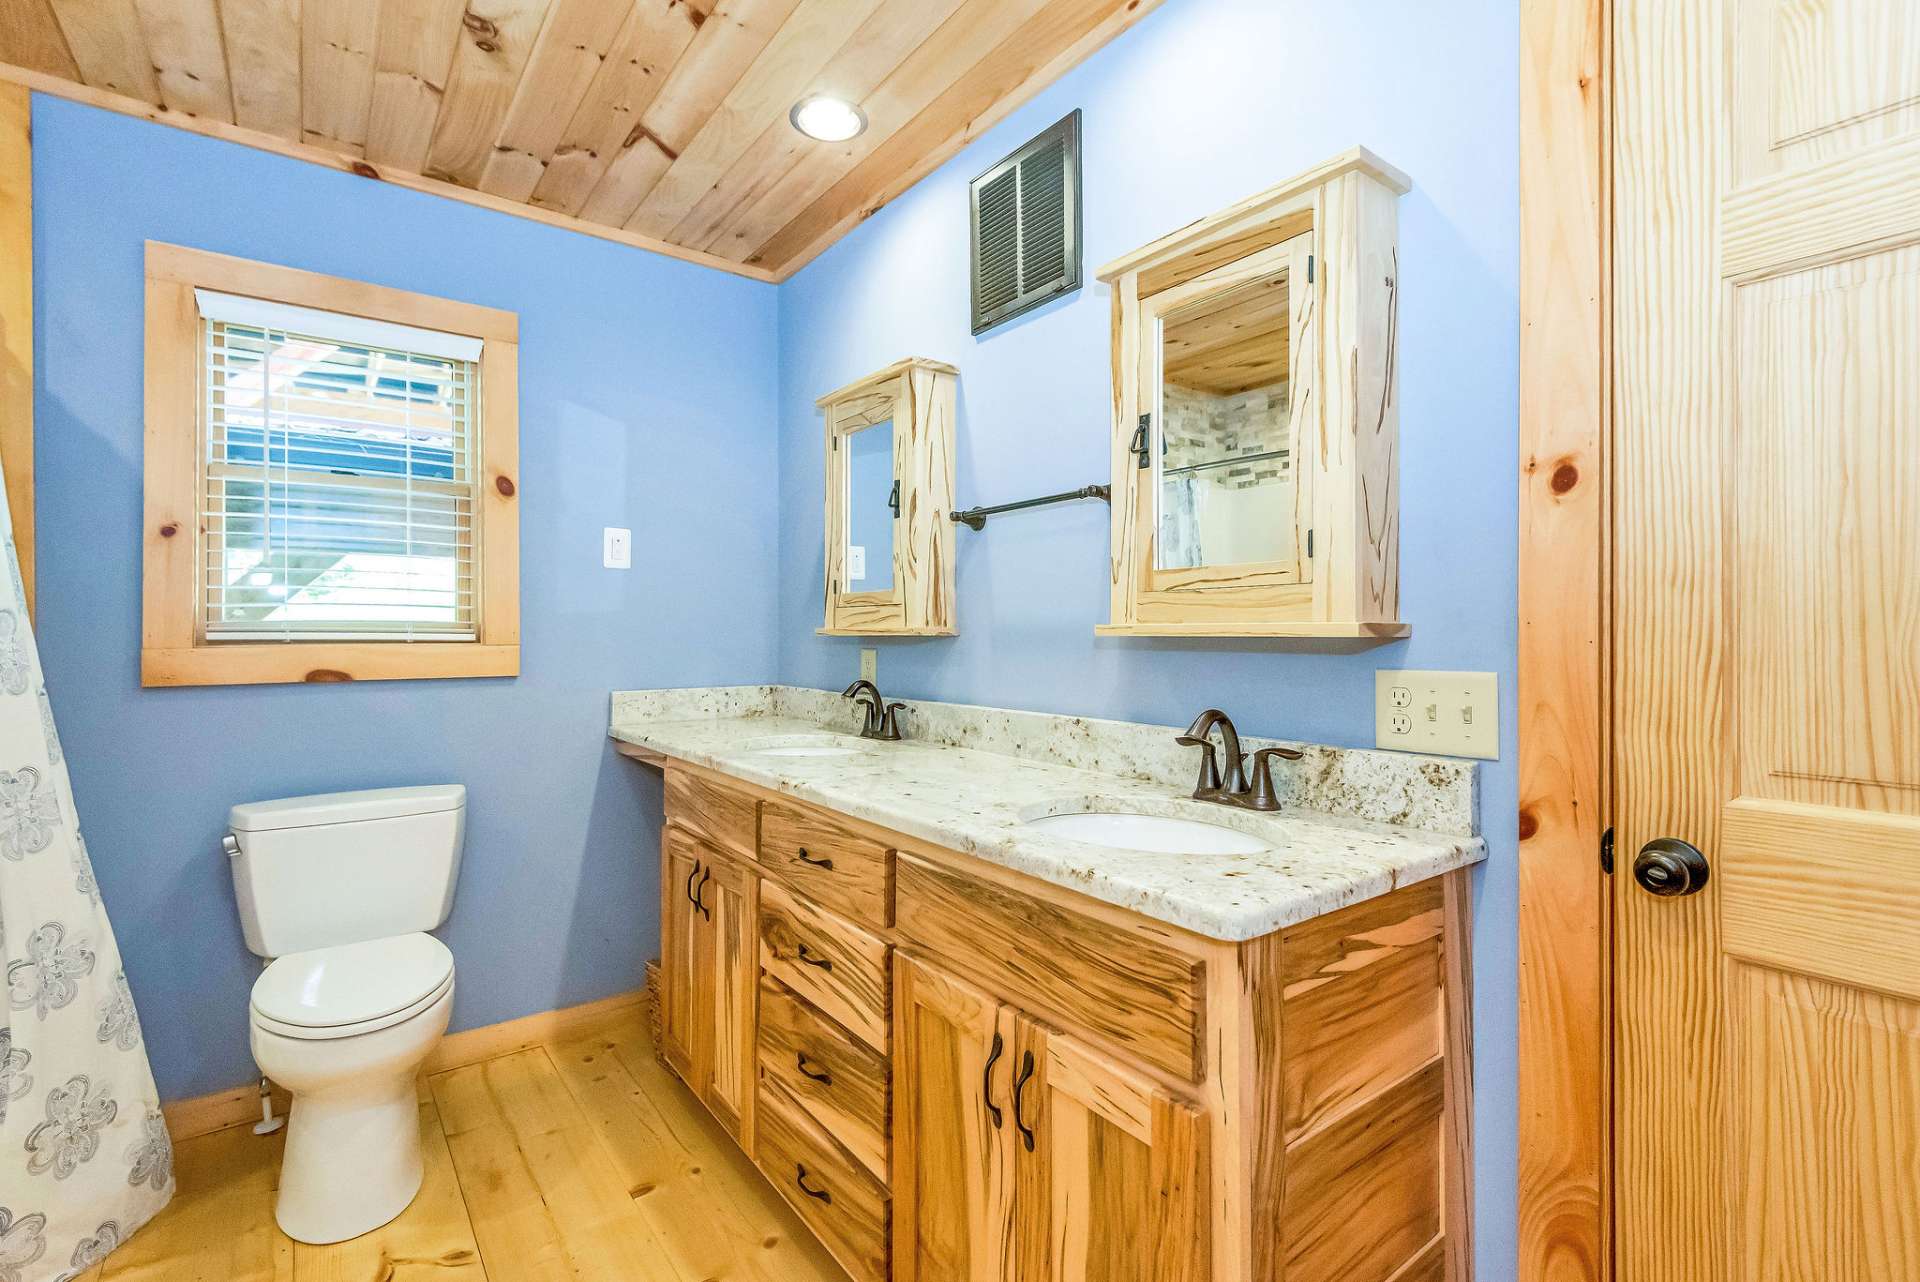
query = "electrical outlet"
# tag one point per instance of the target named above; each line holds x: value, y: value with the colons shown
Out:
x: 1454, y: 714
x: 616, y: 548
x: 869, y: 665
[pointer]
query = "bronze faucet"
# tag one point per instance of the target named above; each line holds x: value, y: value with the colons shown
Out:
x: 1232, y: 789
x: 882, y: 720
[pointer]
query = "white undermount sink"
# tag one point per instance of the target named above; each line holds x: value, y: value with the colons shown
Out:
x: 805, y: 745
x: 1121, y: 830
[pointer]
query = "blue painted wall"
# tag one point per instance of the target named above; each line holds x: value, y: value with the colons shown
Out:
x: 646, y: 388
x: 1207, y: 101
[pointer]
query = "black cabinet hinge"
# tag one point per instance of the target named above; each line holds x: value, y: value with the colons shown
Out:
x: 1606, y: 852
x: 1309, y: 269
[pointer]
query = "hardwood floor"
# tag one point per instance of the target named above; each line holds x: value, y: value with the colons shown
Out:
x: 580, y: 1159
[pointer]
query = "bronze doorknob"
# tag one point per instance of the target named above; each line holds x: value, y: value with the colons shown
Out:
x: 1667, y: 866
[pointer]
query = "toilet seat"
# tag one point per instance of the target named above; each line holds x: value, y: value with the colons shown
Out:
x: 351, y: 989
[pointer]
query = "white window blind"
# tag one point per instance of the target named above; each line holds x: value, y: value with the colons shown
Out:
x: 339, y: 463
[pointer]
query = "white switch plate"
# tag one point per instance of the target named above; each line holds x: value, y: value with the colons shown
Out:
x: 1454, y: 714
x: 856, y: 562
x: 616, y: 548
x: 869, y: 665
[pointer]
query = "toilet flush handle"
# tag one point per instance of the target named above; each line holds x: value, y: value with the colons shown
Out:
x: 230, y: 844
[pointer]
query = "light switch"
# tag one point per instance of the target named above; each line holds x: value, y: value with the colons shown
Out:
x: 1454, y: 714
x: 616, y: 548
x: 856, y: 562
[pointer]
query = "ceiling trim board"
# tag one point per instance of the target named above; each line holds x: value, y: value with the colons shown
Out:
x: 57, y: 87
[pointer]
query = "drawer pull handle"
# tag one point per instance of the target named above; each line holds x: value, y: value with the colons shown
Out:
x: 824, y: 963
x: 800, y: 1178
x: 815, y: 860
x: 1019, y: 1090
x: 819, y: 1075
x: 986, y: 1080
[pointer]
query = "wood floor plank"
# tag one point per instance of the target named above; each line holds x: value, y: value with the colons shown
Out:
x: 220, y: 1226
x: 432, y: 1240
x: 546, y: 1199
x: 713, y: 1211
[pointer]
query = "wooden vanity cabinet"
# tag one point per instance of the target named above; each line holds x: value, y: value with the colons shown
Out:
x: 957, y: 1073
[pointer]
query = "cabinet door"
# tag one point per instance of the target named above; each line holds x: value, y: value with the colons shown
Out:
x: 1111, y: 1181
x: 728, y: 900
x: 952, y: 1130
x: 683, y: 1010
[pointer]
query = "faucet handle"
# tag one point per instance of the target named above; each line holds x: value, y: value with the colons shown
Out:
x: 1261, y: 796
x: 890, y: 723
x: 1209, y: 783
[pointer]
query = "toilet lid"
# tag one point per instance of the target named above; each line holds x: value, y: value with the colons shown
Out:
x: 352, y: 983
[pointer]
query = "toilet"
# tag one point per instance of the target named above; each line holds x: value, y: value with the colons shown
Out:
x: 338, y: 891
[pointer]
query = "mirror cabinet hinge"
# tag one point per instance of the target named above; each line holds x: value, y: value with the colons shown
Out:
x: 1606, y: 852
x: 1309, y: 269
x: 1309, y: 545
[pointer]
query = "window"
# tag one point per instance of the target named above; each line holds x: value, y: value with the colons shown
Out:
x: 329, y: 479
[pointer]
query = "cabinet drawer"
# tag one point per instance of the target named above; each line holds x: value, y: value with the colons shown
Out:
x: 1129, y: 989
x: 713, y: 812
x: 832, y: 963
x: 841, y: 1203
x: 843, y: 1083
x: 848, y: 873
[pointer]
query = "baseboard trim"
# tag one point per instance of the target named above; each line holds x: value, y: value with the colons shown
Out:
x: 204, y: 1114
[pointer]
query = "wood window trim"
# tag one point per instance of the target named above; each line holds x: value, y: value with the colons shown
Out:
x: 1565, y: 1050
x: 16, y: 319
x: 170, y: 652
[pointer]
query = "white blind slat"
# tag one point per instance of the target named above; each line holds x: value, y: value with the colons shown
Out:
x: 339, y: 488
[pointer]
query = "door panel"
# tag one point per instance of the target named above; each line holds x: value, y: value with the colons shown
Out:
x: 1113, y: 1188
x: 952, y: 1130
x: 1766, y: 624
x: 732, y: 898
x: 681, y: 865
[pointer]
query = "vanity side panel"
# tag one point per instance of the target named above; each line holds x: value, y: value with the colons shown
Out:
x: 1361, y: 1003
x: 1125, y: 989
x: 1361, y: 1197
x: 1347, y: 1016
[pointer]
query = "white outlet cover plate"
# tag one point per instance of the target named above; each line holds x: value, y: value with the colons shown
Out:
x: 1452, y: 714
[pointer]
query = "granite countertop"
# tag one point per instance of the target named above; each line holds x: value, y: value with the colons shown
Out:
x: 976, y: 802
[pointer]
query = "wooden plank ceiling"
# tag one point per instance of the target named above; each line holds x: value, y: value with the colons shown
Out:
x: 658, y: 122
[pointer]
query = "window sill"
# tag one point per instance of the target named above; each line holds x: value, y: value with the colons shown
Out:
x: 309, y: 661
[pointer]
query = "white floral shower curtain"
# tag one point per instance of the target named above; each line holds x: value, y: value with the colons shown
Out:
x: 84, y: 1154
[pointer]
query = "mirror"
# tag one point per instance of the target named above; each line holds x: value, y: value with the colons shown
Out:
x: 873, y: 499
x: 1224, y: 471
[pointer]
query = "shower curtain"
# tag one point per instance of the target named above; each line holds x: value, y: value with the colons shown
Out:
x: 84, y: 1153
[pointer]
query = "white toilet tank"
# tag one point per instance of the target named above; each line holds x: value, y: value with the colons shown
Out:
x: 342, y: 867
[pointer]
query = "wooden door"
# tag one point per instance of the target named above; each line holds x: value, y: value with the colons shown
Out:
x: 685, y: 1014
x: 952, y: 1129
x: 1766, y: 623
x: 1111, y: 1171
x: 731, y: 897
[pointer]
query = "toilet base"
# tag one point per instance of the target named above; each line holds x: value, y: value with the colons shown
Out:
x: 351, y: 1165
x: 353, y: 1131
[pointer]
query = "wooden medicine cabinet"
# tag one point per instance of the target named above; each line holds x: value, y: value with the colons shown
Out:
x: 1256, y: 423
x: 889, y: 489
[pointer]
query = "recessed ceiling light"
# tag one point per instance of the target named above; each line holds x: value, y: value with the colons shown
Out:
x: 828, y: 119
